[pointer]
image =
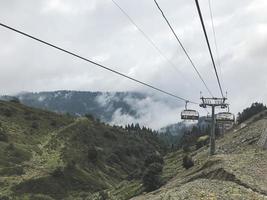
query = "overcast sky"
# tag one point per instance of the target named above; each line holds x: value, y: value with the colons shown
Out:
x: 98, y: 30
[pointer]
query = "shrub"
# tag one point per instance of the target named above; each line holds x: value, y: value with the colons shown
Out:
x: 58, y: 172
x: 4, y: 198
x: 188, y: 162
x: 113, y: 158
x: 151, y: 178
x: 109, y: 135
x: 103, y: 195
x: 92, y: 154
x: 90, y: 117
x: 202, y: 141
x: 10, y: 147
x: 136, y: 174
x: 153, y: 158
x: 71, y: 165
x: 35, y: 125
x: 3, y: 136
x: 186, y: 149
x: 120, y: 152
x: 7, y: 112
x: 53, y: 123
x: 14, y: 100
x: 40, y: 197
x: 10, y: 171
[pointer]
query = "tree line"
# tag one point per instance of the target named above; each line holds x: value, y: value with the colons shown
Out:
x: 255, y: 108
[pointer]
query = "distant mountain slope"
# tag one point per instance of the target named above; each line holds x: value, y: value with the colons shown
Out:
x: 113, y: 107
x: 101, y: 105
x: 44, y: 155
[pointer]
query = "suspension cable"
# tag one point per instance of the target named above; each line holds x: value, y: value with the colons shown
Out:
x: 152, y: 43
x: 215, y: 40
x: 207, y: 40
x: 95, y: 63
x: 182, y: 46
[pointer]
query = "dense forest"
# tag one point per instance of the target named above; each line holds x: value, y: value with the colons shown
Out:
x: 250, y: 111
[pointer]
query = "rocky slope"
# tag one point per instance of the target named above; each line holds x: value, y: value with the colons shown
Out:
x: 237, y: 171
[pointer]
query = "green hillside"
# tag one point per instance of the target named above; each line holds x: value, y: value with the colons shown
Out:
x: 44, y: 155
x: 48, y: 156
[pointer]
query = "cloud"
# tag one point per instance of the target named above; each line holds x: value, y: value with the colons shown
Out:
x: 68, y: 7
x: 97, y: 29
x: 151, y: 111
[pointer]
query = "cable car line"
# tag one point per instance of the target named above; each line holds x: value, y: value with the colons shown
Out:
x: 207, y: 40
x: 215, y: 38
x: 95, y: 63
x: 213, y: 31
x: 142, y: 32
x: 147, y: 38
x: 182, y: 46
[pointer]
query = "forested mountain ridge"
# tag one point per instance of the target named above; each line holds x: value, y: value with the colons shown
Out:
x: 120, y: 108
x: 99, y: 104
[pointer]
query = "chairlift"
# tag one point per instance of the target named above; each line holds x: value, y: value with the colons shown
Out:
x: 188, y: 114
x: 225, y: 116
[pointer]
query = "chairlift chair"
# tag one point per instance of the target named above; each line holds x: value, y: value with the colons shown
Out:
x: 225, y: 116
x: 188, y: 114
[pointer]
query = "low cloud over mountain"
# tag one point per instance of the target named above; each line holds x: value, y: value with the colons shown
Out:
x: 118, y: 108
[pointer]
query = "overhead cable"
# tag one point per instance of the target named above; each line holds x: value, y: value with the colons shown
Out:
x: 207, y: 40
x: 95, y: 63
x: 215, y: 39
x: 182, y: 46
x: 152, y: 43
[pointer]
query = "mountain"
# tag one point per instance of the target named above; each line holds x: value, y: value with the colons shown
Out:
x: 119, y: 108
x: 44, y: 155
x: 49, y: 156
x: 100, y: 104
x: 237, y: 171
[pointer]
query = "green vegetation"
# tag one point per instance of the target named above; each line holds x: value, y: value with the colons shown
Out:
x: 188, y: 162
x: 153, y: 158
x: 153, y: 170
x: 47, y: 156
x: 202, y: 141
x: 44, y: 155
x: 101, y: 105
x: 254, y: 109
x: 151, y: 178
x: 237, y: 171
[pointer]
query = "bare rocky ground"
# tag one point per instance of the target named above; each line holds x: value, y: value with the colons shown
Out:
x: 237, y: 171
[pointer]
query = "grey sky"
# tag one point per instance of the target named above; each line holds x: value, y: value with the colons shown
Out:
x: 98, y: 30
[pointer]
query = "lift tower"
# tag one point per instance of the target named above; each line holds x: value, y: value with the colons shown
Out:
x: 213, y: 103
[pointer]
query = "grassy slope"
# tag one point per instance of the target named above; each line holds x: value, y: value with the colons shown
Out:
x: 238, y: 171
x: 45, y: 156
